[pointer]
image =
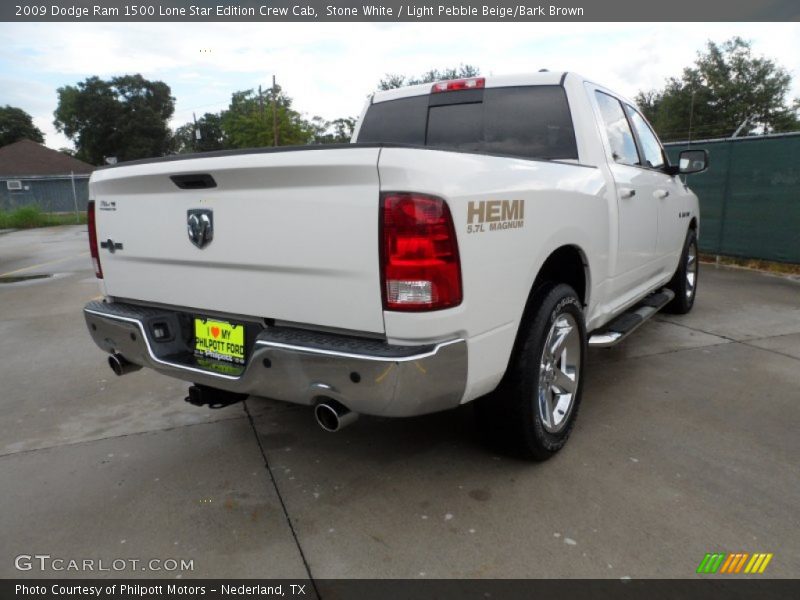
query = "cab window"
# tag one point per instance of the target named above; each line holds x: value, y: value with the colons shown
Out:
x: 620, y: 136
x: 651, y: 148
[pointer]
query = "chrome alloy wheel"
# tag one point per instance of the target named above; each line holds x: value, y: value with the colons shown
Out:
x: 559, y: 370
x: 691, y: 270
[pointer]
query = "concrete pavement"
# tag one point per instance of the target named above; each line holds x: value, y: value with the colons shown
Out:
x: 686, y: 443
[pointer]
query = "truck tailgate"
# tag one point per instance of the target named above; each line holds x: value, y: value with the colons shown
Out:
x: 295, y: 235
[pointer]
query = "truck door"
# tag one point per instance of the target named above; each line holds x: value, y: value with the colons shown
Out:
x: 637, y: 207
x: 668, y: 192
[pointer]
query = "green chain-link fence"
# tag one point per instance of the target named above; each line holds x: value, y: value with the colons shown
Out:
x: 749, y: 197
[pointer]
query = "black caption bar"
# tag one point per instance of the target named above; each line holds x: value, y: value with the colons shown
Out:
x: 712, y: 588
x: 383, y: 10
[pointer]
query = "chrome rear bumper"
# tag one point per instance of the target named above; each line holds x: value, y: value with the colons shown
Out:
x: 294, y: 365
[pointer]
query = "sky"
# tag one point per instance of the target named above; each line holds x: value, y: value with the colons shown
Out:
x: 330, y: 68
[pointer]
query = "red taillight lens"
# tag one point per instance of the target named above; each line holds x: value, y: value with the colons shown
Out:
x: 91, y: 222
x: 420, y: 265
x: 473, y: 83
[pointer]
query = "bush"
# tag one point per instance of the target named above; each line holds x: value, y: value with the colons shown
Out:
x: 28, y: 217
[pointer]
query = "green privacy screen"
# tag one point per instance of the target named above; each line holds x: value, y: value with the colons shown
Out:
x: 749, y: 197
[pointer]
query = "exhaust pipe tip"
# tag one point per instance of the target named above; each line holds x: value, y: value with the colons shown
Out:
x: 333, y: 416
x: 121, y: 365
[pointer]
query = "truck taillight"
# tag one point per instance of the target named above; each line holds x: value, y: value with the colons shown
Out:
x: 419, y: 253
x: 90, y: 219
x: 473, y: 83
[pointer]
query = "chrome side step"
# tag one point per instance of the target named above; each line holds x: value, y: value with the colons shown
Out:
x: 625, y: 324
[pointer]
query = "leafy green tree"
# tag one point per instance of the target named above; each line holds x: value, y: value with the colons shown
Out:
x: 184, y: 140
x: 393, y: 80
x: 16, y: 124
x: 212, y: 137
x: 726, y: 86
x: 248, y: 121
x: 343, y: 128
x: 126, y: 117
x: 338, y: 131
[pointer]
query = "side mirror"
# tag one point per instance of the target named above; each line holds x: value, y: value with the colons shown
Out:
x: 692, y: 161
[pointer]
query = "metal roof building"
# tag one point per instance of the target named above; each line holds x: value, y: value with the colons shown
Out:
x: 33, y: 174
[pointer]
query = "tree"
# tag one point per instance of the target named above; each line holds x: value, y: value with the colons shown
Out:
x: 726, y: 85
x: 126, y: 117
x: 212, y: 137
x: 16, y: 124
x: 338, y: 131
x: 248, y: 121
x: 343, y: 129
x: 393, y: 80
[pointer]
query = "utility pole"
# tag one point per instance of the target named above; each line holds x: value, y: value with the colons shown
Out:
x: 75, y: 197
x: 739, y: 129
x: 197, y: 135
x: 260, y: 107
x: 274, y: 112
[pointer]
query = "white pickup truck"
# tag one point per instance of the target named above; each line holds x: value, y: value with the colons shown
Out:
x: 472, y: 241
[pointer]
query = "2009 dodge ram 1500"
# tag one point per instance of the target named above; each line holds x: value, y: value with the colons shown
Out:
x: 473, y: 240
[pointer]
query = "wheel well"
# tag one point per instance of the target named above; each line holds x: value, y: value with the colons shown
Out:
x: 565, y: 265
x: 693, y: 224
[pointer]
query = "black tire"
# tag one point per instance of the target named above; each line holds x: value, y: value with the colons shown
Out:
x: 684, y: 286
x: 511, y: 415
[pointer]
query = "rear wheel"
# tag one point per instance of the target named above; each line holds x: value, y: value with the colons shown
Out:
x: 534, y: 408
x: 684, y: 282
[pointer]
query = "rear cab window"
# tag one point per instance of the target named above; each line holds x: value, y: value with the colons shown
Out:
x: 531, y: 122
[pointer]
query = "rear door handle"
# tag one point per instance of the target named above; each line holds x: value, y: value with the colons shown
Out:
x: 627, y: 192
x: 661, y: 194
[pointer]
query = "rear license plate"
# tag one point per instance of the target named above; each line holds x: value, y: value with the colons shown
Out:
x: 219, y: 340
